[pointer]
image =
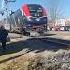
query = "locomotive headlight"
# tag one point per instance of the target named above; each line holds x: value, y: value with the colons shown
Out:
x: 38, y: 19
x: 29, y: 18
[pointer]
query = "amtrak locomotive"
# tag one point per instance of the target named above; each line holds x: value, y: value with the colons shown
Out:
x: 29, y: 17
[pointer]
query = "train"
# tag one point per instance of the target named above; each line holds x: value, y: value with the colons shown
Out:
x: 30, y: 17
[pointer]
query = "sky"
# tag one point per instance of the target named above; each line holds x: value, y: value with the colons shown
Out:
x: 63, y: 4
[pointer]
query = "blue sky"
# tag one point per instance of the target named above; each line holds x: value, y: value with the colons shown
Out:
x: 19, y: 3
x: 66, y: 8
x: 64, y: 5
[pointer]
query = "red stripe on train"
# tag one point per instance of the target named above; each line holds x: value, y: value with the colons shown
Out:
x: 25, y: 10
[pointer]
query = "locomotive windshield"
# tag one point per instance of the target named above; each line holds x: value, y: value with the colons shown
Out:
x: 35, y: 10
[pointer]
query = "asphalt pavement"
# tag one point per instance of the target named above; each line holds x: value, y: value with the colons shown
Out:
x: 59, y: 36
x: 64, y: 35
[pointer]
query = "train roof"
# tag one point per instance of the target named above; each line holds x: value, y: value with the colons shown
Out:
x: 32, y: 5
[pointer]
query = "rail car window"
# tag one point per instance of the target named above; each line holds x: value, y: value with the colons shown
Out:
x: 35, y: 11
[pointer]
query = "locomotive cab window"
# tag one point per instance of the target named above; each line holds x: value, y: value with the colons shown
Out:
x: 35, y: 10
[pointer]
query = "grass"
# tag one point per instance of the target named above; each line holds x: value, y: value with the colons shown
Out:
x: 39, y: 61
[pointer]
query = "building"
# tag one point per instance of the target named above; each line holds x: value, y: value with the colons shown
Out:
x: 60, y: 24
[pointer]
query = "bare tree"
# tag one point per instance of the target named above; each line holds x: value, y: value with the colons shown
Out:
x: 54, y: 10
